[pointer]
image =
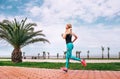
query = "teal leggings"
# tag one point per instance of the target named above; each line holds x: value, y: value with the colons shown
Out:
x: 69, y: 54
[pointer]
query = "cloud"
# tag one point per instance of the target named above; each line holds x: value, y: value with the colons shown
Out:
x: 5, y: 7
x: 35, y: 11
x: 88, y: 10
x: 2, y: 17
x: 98, y: 36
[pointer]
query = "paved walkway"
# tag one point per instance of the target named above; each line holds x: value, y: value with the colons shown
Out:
x: 37, y: 73
x: 63, y: 60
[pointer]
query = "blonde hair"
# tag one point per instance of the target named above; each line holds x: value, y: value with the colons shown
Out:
x: 69, y: 25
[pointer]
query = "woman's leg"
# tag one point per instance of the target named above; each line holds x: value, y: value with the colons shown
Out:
x: 67, y: 60
x: 68, y: 54
x: 70, y: 51
x: 75, y: 58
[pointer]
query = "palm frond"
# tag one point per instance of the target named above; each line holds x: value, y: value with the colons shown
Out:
x: 34, y: 41
x: 19, y: 34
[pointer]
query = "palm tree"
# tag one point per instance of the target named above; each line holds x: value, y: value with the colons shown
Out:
x: 19, y: 34
x: 57, y: 55
x: 64, y: 56
x: 48, y: 55
x: 102, y: 52
x: 119, y: 55
x: 108, y: 52
x: 88, y: 54
x: 38, y: 55
x: 24, y: 55
x: 78, y: 54
x: 44, y: 55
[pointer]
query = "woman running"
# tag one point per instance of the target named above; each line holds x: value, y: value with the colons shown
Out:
x: 69, y: 43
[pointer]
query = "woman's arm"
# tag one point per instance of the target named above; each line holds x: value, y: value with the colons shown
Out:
x: 75, y: 37
x: 68, y: 31
x: 63, y: 35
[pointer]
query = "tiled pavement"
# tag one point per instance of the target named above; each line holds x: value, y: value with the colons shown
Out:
x: 38, y: 73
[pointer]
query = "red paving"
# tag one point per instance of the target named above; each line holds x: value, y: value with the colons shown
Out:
x: 38, y: 73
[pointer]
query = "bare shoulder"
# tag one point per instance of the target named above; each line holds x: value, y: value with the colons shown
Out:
x: 74, y: 34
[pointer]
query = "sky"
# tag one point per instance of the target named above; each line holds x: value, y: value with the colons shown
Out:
x: 95, y: 22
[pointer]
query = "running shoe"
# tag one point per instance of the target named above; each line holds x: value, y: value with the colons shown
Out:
x: 64, y: 69
x: 83, y: 62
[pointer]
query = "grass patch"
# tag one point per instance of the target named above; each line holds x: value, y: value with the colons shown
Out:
x: 73, y: 66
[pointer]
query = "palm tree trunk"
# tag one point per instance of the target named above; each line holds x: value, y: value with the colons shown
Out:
x: 108, y: 55
x: 16, y: 55
x: 102, y: 55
